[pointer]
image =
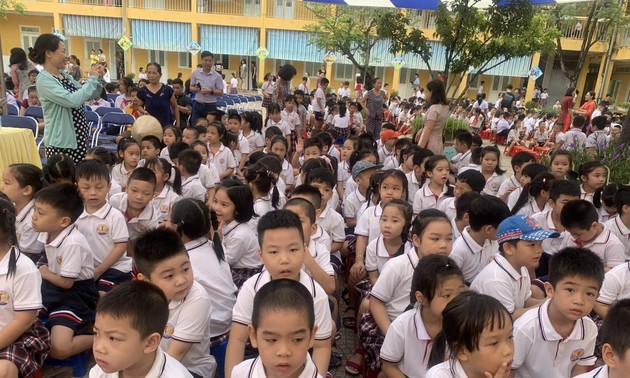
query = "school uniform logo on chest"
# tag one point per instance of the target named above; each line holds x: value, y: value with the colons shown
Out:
x: 4, y: 297
x: 59, y: 260
x: 164, y: 209
x: 102, y: 229
x: 221, y: 160
x: 577, y: 354
x: 168, y: 331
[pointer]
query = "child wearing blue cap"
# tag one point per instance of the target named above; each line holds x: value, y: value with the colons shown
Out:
x: 507, y: 278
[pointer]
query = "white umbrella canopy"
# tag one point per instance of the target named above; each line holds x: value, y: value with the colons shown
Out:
x: 427, y: 4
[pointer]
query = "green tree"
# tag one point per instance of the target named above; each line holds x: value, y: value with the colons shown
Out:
x: 476, y: 40
x: 6, y: 6
x: 350, y: 31
x: 590, y: 23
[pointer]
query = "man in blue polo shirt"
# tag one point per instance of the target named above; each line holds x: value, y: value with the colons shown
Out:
x: 207, y: 84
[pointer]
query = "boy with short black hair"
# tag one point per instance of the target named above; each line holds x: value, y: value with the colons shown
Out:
x: 518, y: 162
x: 561, y: 192
x: 362, y: 172
x: 283, y: 309
x: 507, y: 277
x: 558, y: 338
x: 189, y: 135
x: 462, y: 207
x: 475, y: 160
x: 414, y: 178
x: 189, y: 162
x: 103, y: 227
x: 615, y: 338
x: 575, y: 138
x: 270, y: 133
x: 68, y: 292
x: 150, y: 147
x: 313, y: 148
x: 620, y: 225
x: 242, y: 152
x: 329, y: 219
x: 597, y: 139
x: 581, y: 220
x: 467, y: 181
x: 463, y: 142
x: 122, y: 315
x: 478, y: 243
x: 314, y: 196
x: 281, y: 241
x: 135, y: 203
x: 162, y: 259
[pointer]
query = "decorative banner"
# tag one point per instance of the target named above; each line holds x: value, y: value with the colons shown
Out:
x: 262, y: 53
x: 398, y: 62
x: 330, y: 57
x: 125, y: 43
x: 193, y: 48
x: 535, y: 73
x: 58, y: 33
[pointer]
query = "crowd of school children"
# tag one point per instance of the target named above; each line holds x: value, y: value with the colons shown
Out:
x: 179, y: 256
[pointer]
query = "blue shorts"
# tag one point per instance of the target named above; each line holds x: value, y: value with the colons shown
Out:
x: 319, y: 116
x: 112, y: 278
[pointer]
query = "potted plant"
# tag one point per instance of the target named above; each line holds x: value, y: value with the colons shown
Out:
x: 623, y: 107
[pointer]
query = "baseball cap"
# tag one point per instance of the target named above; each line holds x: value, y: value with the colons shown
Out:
x: 473, y: 178
x: 363, y: 165
x: 389, y: 134
x: 522, y: 227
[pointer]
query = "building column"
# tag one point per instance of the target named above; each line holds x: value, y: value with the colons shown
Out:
x: 194, y: 33
x: 531, y: 84
x: 57, y: 22
x: 262, y: 41
x: 605, y: 81
x: 395, y: 80
x: 581, y: 81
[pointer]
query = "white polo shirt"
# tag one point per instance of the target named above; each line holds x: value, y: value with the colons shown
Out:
x: 114, y: 188
x: 508, y: 186
x: 163, y: 202
x: 240, y: 245
x: 120, y: 174
x: 26, y: 236
x: 394, y: 283
x: 619, y: 229
x: 500, y: 280
x: 321, y: 255
x: 368, y: 223
x: 425, y: 199
x: 540, y: 351
x: 472, y: 257
x: 383, y: 153
x: 255, y: 140
x: 293, y: 119
x: 164, y: 366
x: 607, y: 246
x: 351, y: 204
x: 222, y: 160
x: 586, y: 196
x: 208, y: 176
x: 103, y: 229
x: 343, y: 173
x: 20, y: 291
x: 600, y: 372
x: 332, y: 222
x: 262, y: 206
x: 391, y: 162
x: 287, y: 173
x: 69, y: 255
x: 462, y: 159
x: 243, y: 149
x: 448, y: 207
x: 408, y: 344
x: 189, y: 322
x: 413, y: 185
x: 147, y: 220
x: 531, y: 208
x: 216, y: 278
x: 447, y: 369
x: 616, y: 285
x: 550, y: 245
x: 494, y: 183
x: 254, y: 368
x: 321, y: 237
x: 282, y: 125
x: 376, y: 254
x: 193, y: 188
x: 244, y: 307
x: 513, y: 197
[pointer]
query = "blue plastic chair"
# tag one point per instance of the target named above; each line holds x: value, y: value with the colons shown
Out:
x: 20, y: 122
x: 103, y: 110
x: 112, y: 119
x: 12, y: 109
x: 34, y: 111
x: 94, y: 122
x: 112, y: 97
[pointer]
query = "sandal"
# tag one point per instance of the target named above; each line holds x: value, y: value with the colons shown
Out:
x: 352, y: 367
x: 350, y: 321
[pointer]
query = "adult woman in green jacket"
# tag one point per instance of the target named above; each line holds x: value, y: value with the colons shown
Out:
x: 66, y: 130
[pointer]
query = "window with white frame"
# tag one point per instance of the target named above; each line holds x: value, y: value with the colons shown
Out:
x: 156, y: 56
x: 499, y: 83
x: 28, y: 36
x: 184, y: 59
x: 344, y: 71
x: 91, y: 44
x: 473, y: 84
x: 311, y: 68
